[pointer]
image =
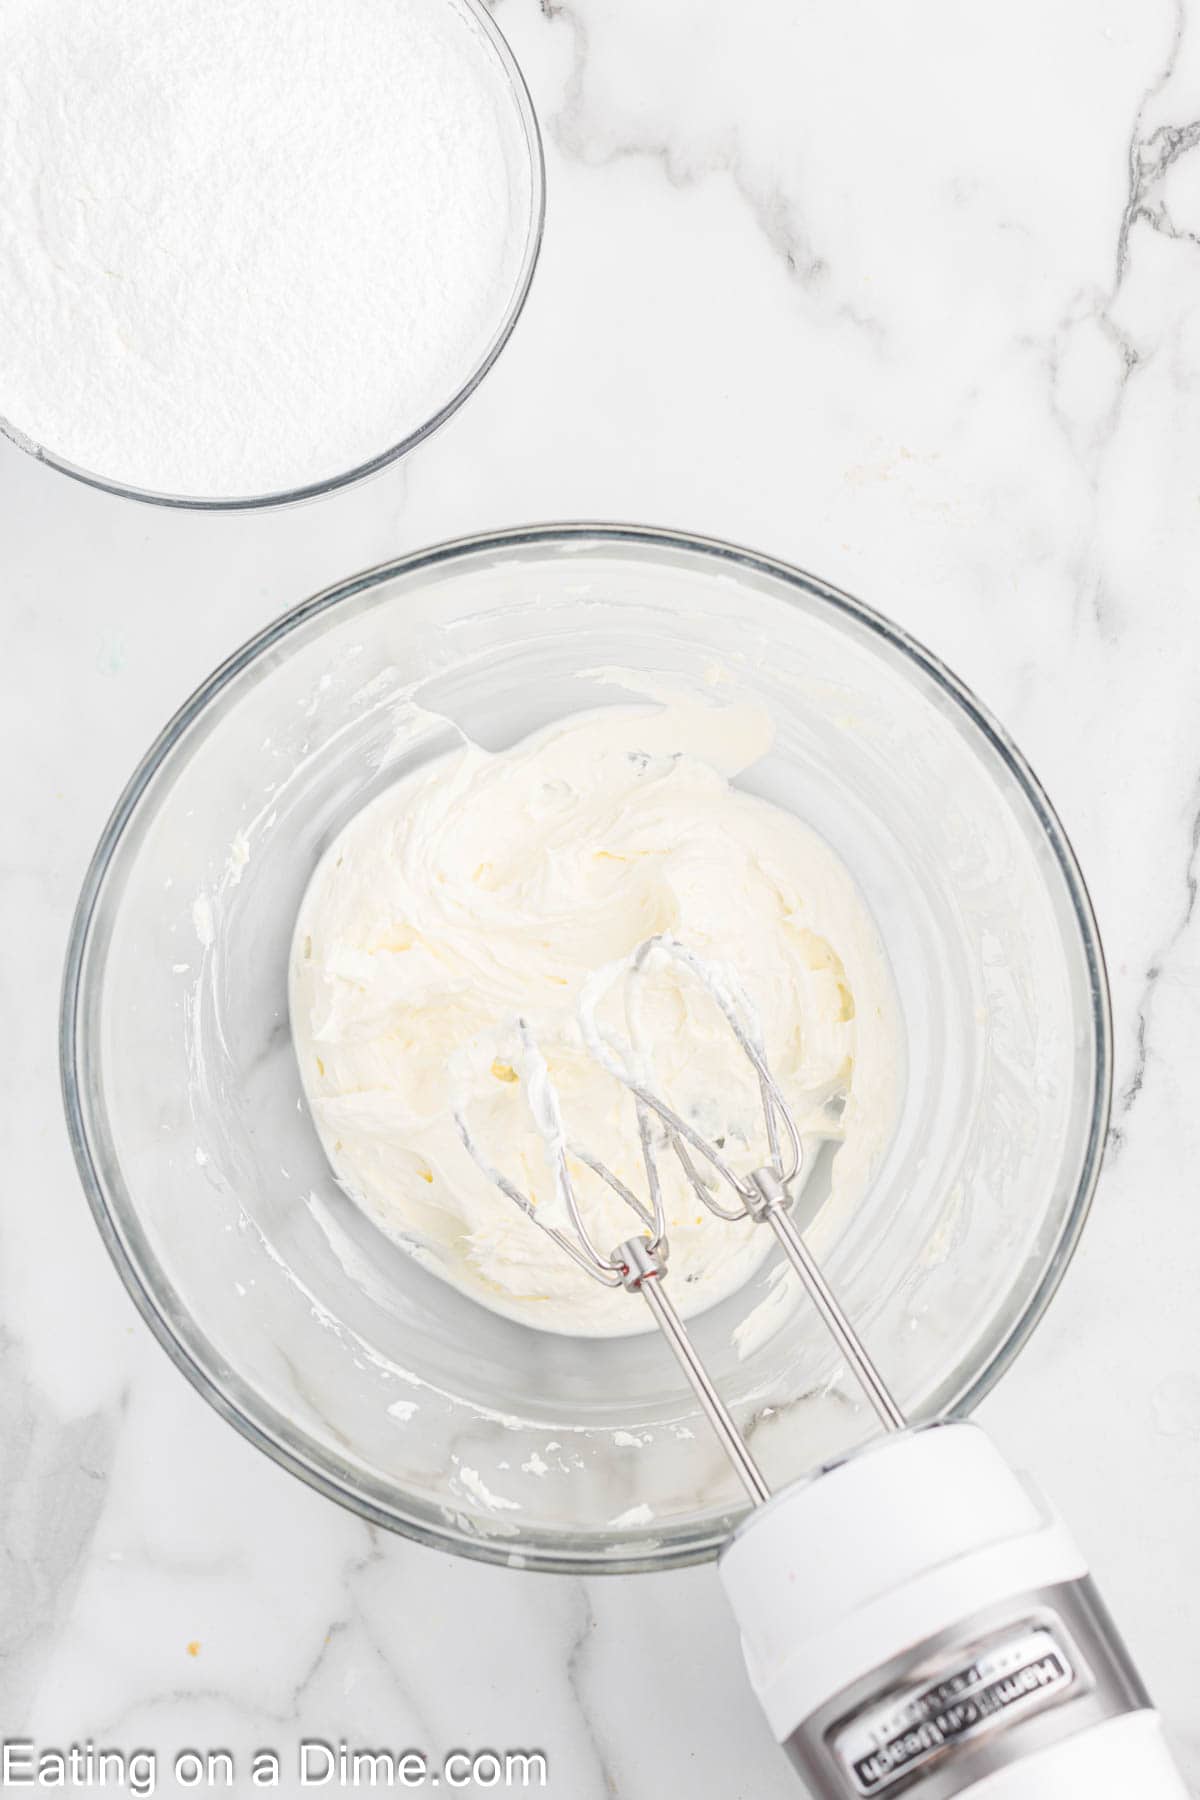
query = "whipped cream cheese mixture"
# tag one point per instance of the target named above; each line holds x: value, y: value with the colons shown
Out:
x: 446, y: 941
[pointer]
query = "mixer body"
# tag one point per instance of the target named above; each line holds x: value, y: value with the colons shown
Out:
x: 917, y: 1620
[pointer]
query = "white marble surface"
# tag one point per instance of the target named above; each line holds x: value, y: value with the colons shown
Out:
x: 910, y: 296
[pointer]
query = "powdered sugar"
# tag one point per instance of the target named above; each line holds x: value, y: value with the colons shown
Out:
x: 249, y: 245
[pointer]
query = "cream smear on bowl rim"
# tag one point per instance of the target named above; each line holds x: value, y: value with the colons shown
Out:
x: 248, y: 252
x: 455, y: 927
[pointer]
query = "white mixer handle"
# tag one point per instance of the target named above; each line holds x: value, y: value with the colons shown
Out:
x: 916, y: 1620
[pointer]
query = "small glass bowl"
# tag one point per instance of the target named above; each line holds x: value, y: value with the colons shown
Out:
x: 509, y: 76
x: 337, y: 1352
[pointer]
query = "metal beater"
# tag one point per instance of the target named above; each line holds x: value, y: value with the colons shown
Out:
x: 919, y: 1619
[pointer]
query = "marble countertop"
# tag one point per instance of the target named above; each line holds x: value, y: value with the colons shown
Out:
x: 911, y: 298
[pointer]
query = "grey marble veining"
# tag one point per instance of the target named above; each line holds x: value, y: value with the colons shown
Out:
x: 910, y: 297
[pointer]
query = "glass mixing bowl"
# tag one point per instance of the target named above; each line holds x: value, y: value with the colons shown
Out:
x: 527, y: 183
x: 327, y: 1344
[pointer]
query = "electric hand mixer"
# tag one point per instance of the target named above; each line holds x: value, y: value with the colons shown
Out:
x: 915, y: 1618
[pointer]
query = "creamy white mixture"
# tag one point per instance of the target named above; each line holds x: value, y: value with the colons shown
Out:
x: 456, y: 920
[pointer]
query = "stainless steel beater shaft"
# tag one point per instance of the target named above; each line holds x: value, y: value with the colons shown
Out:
x: 643, y: 1274
x: 774, y: 1210
x: 765, y: 1198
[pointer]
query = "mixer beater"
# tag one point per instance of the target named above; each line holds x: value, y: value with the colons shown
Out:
x: 917, y: 1621
x: 640, y: 1263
